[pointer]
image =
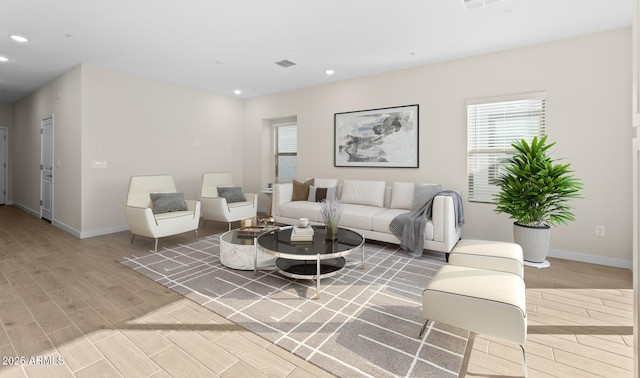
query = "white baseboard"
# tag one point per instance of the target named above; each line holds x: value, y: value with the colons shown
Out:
x: 66, y: 228
x: 600, y: 260
x: 89, y: 234
x: 103, y: 231
x: 73, y: 231
x: 28, y: 210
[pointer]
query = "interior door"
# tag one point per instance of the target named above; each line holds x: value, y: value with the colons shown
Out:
x: 46, y: 169
x: 3, y: 165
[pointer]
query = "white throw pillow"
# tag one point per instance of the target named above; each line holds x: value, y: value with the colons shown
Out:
x: 325, y: 182
x: 363, y: 192
x: 402, y: 195
x: 330, y: 194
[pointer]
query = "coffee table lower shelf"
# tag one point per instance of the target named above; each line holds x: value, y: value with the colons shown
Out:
x: 308, y: 269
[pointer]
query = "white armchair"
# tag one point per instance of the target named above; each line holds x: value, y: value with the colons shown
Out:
x: 219, y: 209
x: 144, y: 221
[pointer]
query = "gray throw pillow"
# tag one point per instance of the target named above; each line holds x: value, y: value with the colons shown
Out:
x: 231, y: 193
x: 167, y: 202
x: 423, y: 193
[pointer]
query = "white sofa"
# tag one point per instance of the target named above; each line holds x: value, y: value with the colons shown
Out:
x: 369, y: 208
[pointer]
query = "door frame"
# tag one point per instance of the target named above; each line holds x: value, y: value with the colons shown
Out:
x: 42, y: 170
x: 4, y: 193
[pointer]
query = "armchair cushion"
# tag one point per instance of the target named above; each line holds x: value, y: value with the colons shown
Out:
x: 167, y: 202
x: 232, y: 194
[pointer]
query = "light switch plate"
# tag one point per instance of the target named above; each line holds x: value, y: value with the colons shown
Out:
x: 99, y: 164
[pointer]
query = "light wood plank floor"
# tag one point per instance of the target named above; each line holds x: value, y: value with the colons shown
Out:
x: 69, y: 309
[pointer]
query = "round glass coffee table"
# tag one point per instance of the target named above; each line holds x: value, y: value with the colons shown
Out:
x: 314, y: 259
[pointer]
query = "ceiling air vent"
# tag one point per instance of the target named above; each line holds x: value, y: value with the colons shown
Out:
x: 476, y: 4
x: 285, y: 63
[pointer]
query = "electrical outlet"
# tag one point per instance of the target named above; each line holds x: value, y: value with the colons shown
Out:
x: 599, y: 230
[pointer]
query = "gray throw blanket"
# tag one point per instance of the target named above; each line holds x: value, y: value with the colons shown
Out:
x: 411, y: 227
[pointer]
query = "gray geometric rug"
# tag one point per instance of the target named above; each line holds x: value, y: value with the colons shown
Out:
x: 365, y: 324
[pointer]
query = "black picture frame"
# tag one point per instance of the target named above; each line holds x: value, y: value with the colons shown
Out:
x: 377, y: 138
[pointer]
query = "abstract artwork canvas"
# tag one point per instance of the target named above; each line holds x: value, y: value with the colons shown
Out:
x: 386, y: 137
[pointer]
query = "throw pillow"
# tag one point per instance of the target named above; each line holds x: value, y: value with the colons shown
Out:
x: 231, y: 193
x: 319, y: 194
x: 363, y: 192
x: 423, y: 193
x: 167, y: 202
x: 402, y: 195
x: 301, y: 190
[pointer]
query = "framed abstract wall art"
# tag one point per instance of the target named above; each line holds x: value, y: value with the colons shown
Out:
x: 386, y: 137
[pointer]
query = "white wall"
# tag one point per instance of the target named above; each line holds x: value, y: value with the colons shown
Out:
x: 588, y: 81
x: 60, y: 98
x: 141, y: 126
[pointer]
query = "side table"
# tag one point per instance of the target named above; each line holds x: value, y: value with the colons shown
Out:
x: 240, y: 252
x: 269, y: 193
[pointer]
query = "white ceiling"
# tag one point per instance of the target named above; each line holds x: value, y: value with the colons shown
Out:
x: 221, y: 46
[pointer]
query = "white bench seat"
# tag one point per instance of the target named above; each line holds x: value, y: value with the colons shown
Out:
x: 485, y: 254
x: 487, y: 302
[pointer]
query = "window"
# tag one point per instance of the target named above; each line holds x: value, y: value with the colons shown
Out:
x: 492, y: 125
x: 286, y: 151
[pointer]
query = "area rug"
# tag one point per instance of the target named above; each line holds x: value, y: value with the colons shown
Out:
x: 365, y: 324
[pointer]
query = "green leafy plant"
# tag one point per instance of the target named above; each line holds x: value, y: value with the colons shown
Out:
x: 535, y: 189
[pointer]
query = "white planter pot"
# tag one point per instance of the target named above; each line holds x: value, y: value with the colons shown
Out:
x: 534, y: 242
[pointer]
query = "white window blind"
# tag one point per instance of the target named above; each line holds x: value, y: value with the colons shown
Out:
x: 492, y: 126
x: 286, y: 151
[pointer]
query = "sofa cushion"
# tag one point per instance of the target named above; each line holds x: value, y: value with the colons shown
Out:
x: 363, y: 192
x: 167, y: 202
x: 301, y: 209
x: 402, y: 195
x: 301, y: 190
x: 424, y: 193
x: 359, y: 216
x: 317, y: 194
x: 231, y: 194
x: 380, y: 222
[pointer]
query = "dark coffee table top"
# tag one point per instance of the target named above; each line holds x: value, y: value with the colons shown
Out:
x: 278, y: 243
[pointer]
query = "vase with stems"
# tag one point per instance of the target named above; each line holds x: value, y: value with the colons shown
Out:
x: 331, y: 212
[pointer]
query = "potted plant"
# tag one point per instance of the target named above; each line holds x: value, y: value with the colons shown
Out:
x: 535, y: 191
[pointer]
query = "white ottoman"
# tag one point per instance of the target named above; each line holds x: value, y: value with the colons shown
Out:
x: 485, y: 254
x: 483, y: 301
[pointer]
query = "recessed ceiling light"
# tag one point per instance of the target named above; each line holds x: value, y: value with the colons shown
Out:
x: 19, y: 38
x: 329, y: 72
x: 4, y: 59
x: 237, y: 91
